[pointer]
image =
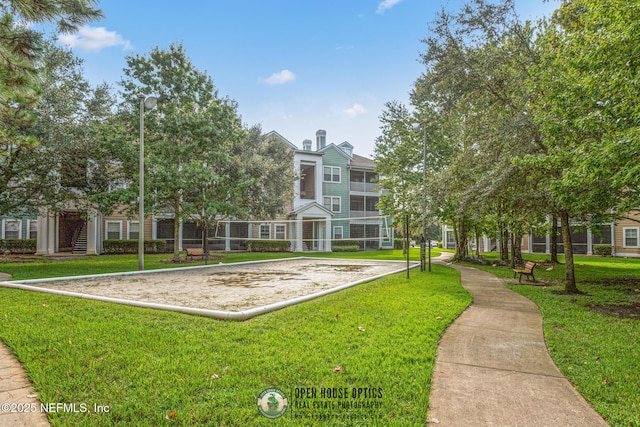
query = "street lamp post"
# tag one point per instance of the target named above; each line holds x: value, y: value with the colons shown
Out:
x: 149, y: 102
x: 423, y: 125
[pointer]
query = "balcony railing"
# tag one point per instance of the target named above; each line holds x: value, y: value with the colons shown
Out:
x: 364, y: 187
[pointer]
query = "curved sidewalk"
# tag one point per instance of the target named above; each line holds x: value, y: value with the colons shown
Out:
x: 493, y: 368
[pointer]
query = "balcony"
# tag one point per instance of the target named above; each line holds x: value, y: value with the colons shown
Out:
x: 364, y: 187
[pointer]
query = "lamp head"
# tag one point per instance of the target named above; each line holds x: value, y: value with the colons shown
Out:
x: 150, y: 102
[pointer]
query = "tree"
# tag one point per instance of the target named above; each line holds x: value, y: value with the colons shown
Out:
x: 587, y: 110
x: 398, y: 160
x: 245, y: 182
x: 74, y: 163
x: 476, y: 61
x: 189, y: 136
x: 23, y: 180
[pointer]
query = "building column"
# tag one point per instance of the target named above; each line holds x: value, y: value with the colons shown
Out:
x: 327, y: 234
x: 227, y: 236
x: 298, y: 237
x: 179, y: 242
x: 92, y: 229
x: 154, y: 228
x: 589, y: 241
x: 46, y: 234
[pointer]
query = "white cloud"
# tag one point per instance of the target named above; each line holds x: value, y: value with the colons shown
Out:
x: 355, y: 110
x: 93, y: 39
x: 386, y: 4
x: 279, y: 78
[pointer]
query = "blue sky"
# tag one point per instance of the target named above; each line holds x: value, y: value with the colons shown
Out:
x: 293, y: 66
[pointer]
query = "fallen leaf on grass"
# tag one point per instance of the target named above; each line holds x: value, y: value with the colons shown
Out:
x: 606, y: 380
x: 439, y: 318
x: 337, y: 369
x: 361, y: 329
x: 172, y: 416
x: 215, y: 376
x: 336, y: 317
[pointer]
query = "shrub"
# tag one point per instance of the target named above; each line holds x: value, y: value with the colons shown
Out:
x: 345, y: 248
x: 345, y: 245
x: 604, y: 250
x: 268, y: 245
x: 18, y: 246
x: 115, y: 246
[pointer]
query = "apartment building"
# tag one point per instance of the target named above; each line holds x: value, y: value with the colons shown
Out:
x: 334, y: 199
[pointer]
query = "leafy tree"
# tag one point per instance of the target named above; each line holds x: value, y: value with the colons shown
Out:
x: 476, y: 61
x: 201, y: 163
x: 74, y: 162
x: 398, y: 160
x: 188, y: 137
x: 587, y: 110
x: 22, y: 183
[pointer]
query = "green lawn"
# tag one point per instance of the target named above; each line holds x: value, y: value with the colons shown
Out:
x: 598, y: 350
x: 163, y: 368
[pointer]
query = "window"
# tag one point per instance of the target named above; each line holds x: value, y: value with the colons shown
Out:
x: 265, y: 231
x: 114, y: 230
x: 281, y: 232
x: 337, y: 232
x: 134, y: 230
x: 33, y: 229
x: 11, y: 229
x: 332, y: 174
x: 332, y: 203
x: 630, y: 236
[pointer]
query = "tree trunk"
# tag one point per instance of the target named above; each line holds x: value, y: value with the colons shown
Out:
x: 176, y: 238
x: 516, y: 250
x: 504, y: 244
x: 569, y: 277
x: 462, y: 240
x: 205, y: 241
x: 554, y: 239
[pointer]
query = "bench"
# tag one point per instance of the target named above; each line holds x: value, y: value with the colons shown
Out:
x: 527, y: 271
x: 196, y: 252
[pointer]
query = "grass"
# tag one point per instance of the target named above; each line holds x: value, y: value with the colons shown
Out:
x: 42, y: 267
x: 594, y: 347
x: 162, y: 368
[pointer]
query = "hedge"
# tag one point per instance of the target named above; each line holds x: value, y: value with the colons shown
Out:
x: 18, y: 246
x: 345, y: 248
x: 268, y: 245
x: 116, y: 246
x: 604, y: 250
x: 347, y: 243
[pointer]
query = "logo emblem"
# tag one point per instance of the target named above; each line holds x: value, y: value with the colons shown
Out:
x: 272, y: 403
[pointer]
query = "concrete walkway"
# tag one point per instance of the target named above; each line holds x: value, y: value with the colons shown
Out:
x: 493, y: 368
x: 16, y: 392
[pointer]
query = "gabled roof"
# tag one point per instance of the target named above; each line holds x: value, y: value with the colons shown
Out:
x: 277, y: 135
x: 341, y: 151
x: 362, y: 162
x: 308, y: 206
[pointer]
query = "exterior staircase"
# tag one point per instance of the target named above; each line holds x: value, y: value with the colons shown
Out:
x: 80, y: 242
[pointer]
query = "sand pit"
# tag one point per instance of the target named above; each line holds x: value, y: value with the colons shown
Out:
x: 230, y: 288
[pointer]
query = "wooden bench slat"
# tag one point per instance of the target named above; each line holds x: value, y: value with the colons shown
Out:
x: 527, y: 271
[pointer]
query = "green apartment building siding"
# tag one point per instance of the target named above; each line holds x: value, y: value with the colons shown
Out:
x: 333, y: 157
x: 25, y: 219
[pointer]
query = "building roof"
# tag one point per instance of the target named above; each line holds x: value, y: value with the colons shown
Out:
x: 362, y: 162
